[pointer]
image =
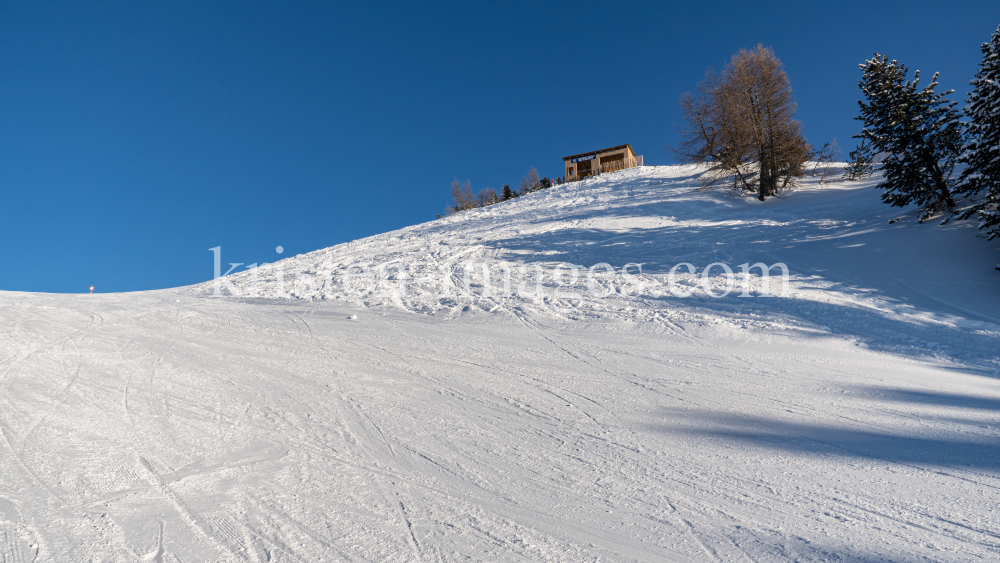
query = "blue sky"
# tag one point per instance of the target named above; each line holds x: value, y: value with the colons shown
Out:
x: 135, y: 136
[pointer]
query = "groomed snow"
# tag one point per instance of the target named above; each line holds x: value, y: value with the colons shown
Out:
x: 401, y: 416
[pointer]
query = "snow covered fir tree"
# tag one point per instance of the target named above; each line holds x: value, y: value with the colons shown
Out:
x: 981, y: 153
x: 918, y: 129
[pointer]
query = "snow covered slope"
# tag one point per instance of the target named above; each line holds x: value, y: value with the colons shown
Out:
x: 855, y: 417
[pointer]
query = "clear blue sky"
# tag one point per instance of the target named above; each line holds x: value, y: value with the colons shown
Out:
x: 135, y: 136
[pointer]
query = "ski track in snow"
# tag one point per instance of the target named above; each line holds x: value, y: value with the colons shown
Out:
x: 855, y: 419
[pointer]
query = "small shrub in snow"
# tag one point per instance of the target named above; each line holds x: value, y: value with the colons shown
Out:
x: 860, y: 162
x: 462, y: 197
x: 529, y: 182
x: 824, y: 158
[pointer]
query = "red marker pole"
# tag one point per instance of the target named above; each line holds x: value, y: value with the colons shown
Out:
x: 92, y: 289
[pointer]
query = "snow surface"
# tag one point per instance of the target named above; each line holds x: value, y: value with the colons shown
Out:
x: 854, y: 418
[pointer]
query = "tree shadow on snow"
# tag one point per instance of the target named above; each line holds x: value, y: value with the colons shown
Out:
x: 839, y: 236
x: 935, y: 398
x: 948, y: 346
x: 792, y: 436
x: 894, y: 302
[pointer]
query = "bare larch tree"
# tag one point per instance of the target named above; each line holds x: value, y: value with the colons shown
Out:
x: 742, y: 122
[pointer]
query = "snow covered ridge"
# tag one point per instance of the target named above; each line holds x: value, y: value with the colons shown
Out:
x: 484, y: 259
x: 647, y: 244
x: 499, y: 278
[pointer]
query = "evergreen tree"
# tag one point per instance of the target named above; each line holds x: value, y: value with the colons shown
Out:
x: 981, y: 153
x: 917, y: 128
x: 508, y: 194
x: 861, y: 162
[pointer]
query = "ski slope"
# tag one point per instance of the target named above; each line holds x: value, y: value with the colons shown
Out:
x: 398, y: 413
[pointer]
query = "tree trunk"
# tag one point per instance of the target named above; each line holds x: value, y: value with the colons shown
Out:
x: 768, y: 179
x: 939, y: 182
